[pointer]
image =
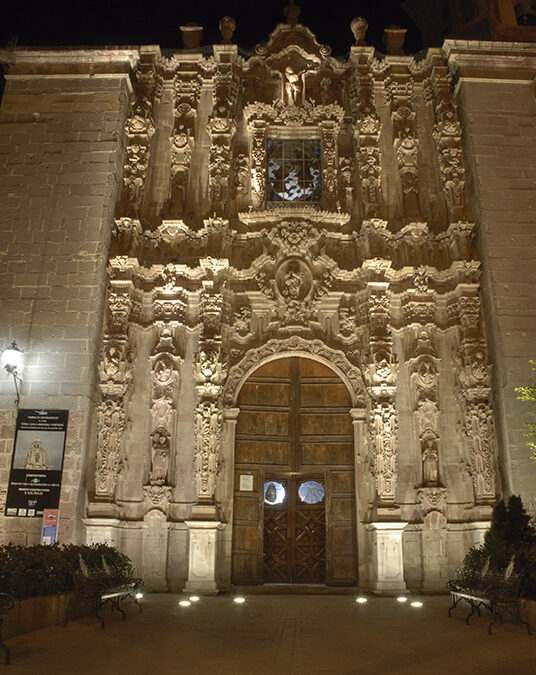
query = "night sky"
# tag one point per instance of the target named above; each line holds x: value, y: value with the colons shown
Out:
x: 134, y: 22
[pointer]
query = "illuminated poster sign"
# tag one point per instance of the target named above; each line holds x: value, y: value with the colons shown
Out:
x: 37, y: 462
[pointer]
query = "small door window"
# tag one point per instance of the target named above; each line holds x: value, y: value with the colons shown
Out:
x: 274, y: 492
x: 311, y: 492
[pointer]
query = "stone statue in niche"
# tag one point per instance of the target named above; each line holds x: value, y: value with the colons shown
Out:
x: 430, y: 461
x: 159, y: 457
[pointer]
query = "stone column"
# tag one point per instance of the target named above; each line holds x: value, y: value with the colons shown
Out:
x: 387, y: 574
x: 230, y: 416
x: 362, y: 496
x: 210, y: 372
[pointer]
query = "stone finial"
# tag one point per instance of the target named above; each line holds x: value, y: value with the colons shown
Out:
x: 292, y: 12
x: 359, y: 28
x: 191, y: 35
x: 227, y: 27
x: 393, y: 37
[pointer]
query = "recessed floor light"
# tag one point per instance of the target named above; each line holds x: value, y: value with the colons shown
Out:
x: 416, y: 603
x: 185, y: 603
x: 194, y: 598
x: 239, y: 600
x: 402, y: 598
x: 139, y: 595
x: 361, y: 600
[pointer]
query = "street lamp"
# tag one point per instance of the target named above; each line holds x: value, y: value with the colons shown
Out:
x: 12, y: 360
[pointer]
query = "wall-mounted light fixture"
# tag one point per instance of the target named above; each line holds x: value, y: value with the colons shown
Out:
x: 12, y: 361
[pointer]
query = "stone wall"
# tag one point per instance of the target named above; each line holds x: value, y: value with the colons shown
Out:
x: 61, y: 146
x: 495, y: 94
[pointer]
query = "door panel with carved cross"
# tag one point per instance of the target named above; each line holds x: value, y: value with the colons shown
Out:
x: 294, y: 530
x: 294, y: 428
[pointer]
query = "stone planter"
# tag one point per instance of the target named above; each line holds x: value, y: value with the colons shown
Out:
x: 35, y: 613
x: 527, y: 610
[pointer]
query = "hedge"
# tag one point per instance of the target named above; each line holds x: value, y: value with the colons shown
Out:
x: 32, y: 571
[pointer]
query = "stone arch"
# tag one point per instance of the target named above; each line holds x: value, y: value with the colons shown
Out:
x: 295, y: 346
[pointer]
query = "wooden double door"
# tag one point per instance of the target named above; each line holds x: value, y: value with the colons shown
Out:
x: 294, y: 432
x: 294, y: 537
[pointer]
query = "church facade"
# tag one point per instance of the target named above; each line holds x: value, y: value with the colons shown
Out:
x: 285, y: 299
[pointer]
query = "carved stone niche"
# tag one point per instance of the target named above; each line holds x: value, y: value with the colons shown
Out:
x: 165, y: 365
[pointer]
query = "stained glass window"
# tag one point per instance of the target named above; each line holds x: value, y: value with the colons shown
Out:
x: 274, y: 492
x: 294, y: 172
x: 311, y: 492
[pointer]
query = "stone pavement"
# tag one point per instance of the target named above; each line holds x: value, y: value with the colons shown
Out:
x: 272, y: 634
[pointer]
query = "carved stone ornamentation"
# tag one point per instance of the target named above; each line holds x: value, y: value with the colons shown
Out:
x: 209, y: 369
x: 447, y: 135
x: 384, y: 432
x: 139, y: 130
x: 119, y: 306
x: 406, y: 148
x: 347, y: 321
x: 474, y: 382
x: 242, y: 320
x: 479, y: 429
x: 432, y: 499
x: 424, y: 381
x: 115, y: 368
x: 165, y: 383
x: 156, y: 497
x: 181, y: 154
x: 110, y: 429
x: 207, y: 463
x: 160, y: 452
x: 299, y: 346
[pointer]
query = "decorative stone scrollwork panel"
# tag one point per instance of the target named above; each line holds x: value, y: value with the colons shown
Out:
x: 207, y: 463
x: 479, y: 429
x: 384, y: 432
x: 110, y: 430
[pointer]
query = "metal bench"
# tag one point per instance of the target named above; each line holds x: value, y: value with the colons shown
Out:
x: 95, y: 588
x: 495, y: 592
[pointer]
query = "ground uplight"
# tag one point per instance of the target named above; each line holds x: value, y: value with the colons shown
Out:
x: 401, y: 598
x: 239, y: 600
x: 416, y: 603
x: 139, y: 596
x: 185, y: 603
x: 361, y: 600
x: 194, y: 598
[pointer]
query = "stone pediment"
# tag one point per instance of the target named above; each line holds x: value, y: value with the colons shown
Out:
x: 285, y: 36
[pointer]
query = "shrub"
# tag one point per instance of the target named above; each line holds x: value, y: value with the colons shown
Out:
x: 511, y: 534
x: 30, y: 571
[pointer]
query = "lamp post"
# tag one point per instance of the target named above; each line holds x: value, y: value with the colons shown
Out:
x: 12, y: 360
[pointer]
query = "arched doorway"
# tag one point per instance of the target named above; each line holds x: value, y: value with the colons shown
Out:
x: 294, y: 488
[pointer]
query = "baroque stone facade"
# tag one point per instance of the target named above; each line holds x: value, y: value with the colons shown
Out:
x: 206, y: 279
